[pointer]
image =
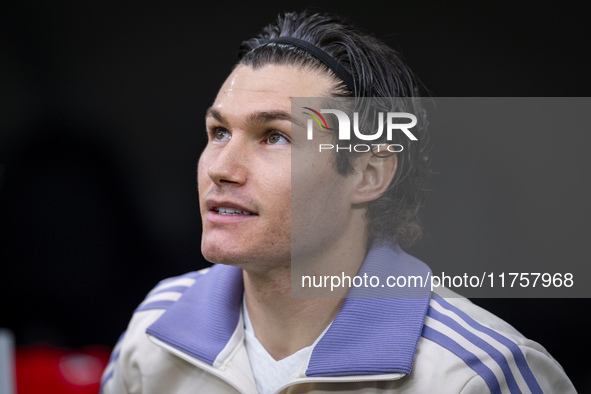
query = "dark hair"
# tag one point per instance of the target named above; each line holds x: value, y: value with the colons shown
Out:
x: 378, y: 71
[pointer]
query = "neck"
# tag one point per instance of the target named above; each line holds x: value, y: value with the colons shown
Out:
x: 285, y: 324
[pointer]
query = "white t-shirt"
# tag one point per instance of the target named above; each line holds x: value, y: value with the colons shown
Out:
x: 270, y: 374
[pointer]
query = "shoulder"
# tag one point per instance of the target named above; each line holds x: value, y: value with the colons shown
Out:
x: 458, y: 333
x: 134, y: 349
x: 168, y: 291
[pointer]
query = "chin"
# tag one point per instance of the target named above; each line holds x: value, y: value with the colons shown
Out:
x: 218, y: 255
x: 227, y: 256
x: 250, y: 259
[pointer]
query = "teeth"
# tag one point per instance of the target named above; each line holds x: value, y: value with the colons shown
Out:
x: 231, y: 211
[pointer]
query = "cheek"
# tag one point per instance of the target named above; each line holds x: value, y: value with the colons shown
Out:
x: 202, y: 171
x: 276, y: 192
x: 313, y: 200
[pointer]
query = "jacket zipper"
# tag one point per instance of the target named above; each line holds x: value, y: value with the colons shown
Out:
x: 198, y: 363
x: 352, y: 379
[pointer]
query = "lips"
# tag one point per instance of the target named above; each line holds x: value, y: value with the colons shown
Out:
x: 229, y: 208
x: 231, y: 211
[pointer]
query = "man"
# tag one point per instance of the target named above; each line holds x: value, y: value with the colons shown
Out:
x: 236, y: 327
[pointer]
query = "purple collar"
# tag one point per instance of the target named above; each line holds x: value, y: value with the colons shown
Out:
x: 368, y: 336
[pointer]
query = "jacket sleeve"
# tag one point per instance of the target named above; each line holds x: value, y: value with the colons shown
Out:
x: 111, y: 381
x: 548, y: 372
x: 548, y: 376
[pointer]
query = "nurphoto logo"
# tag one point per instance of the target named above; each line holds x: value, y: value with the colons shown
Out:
x: 391, y: 125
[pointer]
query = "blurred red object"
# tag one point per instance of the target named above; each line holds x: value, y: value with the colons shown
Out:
x: 45, y: 369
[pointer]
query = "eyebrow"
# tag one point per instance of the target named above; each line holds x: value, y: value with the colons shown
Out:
x: 255, y: 118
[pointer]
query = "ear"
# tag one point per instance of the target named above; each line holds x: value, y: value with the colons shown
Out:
x: 374, y: 175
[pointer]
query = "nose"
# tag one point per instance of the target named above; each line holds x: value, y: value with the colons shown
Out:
x: 229, y: 164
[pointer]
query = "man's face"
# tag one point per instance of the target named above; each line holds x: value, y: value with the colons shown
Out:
x: 245, y: 174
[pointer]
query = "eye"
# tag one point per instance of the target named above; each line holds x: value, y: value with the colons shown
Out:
x: 276, y: 138
x: 221, y: 135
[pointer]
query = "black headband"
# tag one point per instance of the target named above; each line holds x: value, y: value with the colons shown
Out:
x: 319, y: 54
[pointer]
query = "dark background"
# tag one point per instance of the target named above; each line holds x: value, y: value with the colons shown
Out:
x: 101, y: 126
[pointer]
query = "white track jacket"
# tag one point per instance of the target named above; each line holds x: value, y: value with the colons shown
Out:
x: 188, y: 337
